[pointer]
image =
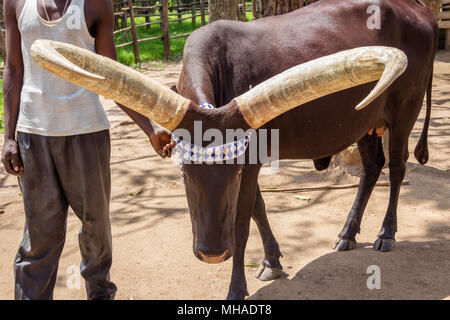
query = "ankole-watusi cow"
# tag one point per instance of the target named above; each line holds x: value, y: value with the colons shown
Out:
x: 307, y: 71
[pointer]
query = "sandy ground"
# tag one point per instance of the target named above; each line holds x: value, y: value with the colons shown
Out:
x: 152, y: 236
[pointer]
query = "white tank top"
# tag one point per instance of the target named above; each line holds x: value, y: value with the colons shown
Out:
x: 49, y: 105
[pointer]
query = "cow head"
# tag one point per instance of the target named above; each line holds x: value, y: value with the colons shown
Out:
x: 212, y: 189
x: 212, y: 192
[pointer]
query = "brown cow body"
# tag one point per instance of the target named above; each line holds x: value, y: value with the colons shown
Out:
x: 224, y: 59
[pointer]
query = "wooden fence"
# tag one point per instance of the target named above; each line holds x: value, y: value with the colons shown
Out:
x: 443, y: 17
x: 135, y: 9
x: 126, y: 12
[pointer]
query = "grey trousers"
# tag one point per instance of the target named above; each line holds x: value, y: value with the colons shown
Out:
x: 60, y: 172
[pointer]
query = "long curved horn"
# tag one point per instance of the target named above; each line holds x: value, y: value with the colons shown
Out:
x: 112, y: 80
x: 321, y: 77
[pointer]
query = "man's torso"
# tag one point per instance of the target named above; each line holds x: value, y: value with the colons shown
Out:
x: 49, y: 105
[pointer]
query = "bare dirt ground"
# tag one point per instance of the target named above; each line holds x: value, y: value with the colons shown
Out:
x: 152, y: 236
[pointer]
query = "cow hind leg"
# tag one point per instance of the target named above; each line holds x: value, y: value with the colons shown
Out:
x: 398, y: 155
x: 372, y: 158
x: 270, y: 268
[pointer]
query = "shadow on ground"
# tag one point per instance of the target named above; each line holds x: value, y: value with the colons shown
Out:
x: 413, y: 270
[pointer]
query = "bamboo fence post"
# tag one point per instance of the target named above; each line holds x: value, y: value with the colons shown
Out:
x: 124, y: 18
x: 445, y: 9
x: 161, y: 17
x: 116, y: 18
x: 202, y: 12
x: 238, y: 11
x: 2, y: 45
x: 165, y: 29
x: 179, y: 11
x: 193, y: 16
x: 147, y: 17
x: 254, y: 9
x: 137, y: 59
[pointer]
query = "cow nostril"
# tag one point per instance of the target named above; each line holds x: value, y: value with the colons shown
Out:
x: 213, y: 258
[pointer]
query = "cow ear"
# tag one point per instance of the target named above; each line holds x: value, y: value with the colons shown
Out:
x: 174, y: 88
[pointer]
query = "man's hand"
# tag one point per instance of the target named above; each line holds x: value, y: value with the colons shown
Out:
x: 161, y: 142
x: 11, y: 157
x: 12, y: 87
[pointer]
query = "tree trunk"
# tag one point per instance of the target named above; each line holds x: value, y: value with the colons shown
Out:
x: 277, y: 7
x: 222, y: 9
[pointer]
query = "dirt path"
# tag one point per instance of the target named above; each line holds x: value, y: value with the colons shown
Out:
x: 152, y: 236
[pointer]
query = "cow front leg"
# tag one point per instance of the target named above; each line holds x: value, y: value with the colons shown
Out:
x: 398, y: 155
x: 245, y: 207
x: 238, y: 285
x: 270, y: 268
x: 372, y: 158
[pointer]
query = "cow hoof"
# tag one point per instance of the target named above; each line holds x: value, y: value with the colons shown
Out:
x: 384, y: 245
x: 265, y: 273
x: 344, y: 244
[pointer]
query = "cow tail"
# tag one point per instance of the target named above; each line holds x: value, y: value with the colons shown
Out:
x: 421, y: 151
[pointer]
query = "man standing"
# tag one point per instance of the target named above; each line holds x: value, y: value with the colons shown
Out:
x: 62, y: 150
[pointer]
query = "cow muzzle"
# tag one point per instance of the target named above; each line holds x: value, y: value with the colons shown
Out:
x: 213, y: 258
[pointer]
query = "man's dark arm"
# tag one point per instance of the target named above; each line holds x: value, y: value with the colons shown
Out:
x: 104, y: 45
x: 12, y: 87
